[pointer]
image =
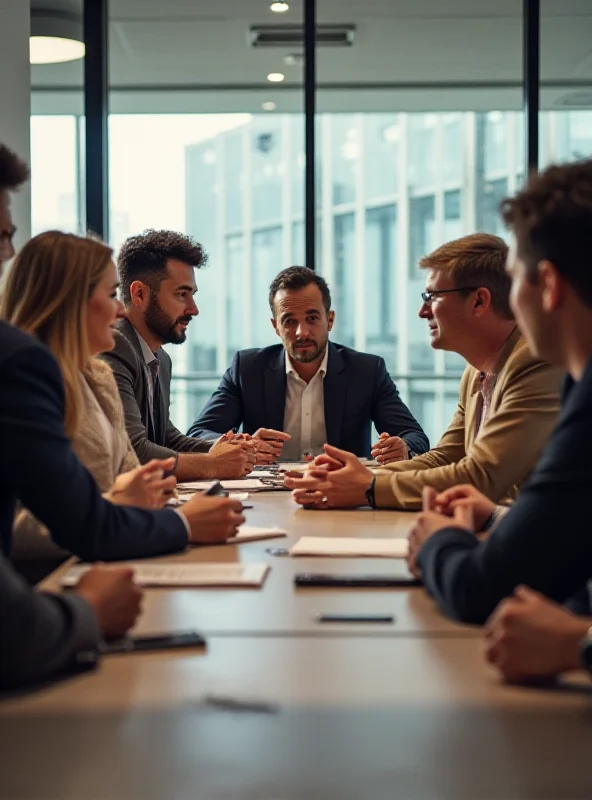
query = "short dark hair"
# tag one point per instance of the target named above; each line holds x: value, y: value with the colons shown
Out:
x: 476, y: 260
x: 294, y: 278
x: 551, y: 218
x: 13, y: 170
x: 144, y: 257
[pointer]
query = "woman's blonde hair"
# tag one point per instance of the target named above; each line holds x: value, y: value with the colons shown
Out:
x: 46, y: 295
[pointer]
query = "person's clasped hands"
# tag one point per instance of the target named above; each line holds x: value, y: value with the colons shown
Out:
x: 459, y: 507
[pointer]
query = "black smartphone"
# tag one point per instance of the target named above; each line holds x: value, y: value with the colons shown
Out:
x: 166, y: 641
x: 356, y: 618
x: 216, y: 489
x: 354, y: 581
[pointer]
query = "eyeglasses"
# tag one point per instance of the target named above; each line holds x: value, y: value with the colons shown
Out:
x: 428, y: 297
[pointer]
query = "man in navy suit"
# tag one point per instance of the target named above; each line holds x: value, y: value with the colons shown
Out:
x: 295, y: 397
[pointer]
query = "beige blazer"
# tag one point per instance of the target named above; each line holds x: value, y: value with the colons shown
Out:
x: 89, y: 444
x: 524, y: 407
x: 30, y: 537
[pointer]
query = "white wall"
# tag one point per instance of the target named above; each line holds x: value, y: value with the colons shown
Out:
x: 15, y: 98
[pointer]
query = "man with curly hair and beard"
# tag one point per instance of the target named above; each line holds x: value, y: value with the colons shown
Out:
x: 156, y: 271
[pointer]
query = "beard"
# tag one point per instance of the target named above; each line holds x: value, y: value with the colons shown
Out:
x: 162, y: 325
x: 306, y: 356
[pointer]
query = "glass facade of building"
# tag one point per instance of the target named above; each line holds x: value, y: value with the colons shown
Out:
x: 390, y: 188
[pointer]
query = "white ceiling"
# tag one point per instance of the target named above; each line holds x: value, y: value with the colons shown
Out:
x: 437, y: 54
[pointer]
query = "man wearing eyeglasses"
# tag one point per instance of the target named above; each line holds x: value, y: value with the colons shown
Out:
x: 508, y: 401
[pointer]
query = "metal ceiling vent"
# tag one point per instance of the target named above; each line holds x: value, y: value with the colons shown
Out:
x: 293, y: 35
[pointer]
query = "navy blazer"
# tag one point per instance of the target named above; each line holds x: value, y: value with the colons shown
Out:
x: 39, y: 468
x: 358, y: 391
x: 543, y: 541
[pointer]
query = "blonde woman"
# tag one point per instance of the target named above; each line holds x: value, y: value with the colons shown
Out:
x: 62, y: 289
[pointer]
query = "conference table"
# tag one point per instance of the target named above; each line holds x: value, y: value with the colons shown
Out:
x: 279, y: 706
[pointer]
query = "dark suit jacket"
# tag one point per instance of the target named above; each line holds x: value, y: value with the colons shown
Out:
x: 543, y: 541
x: 357, y: 387
x: 38, y: 467
x: 42, y: 634
x: 152, y: 436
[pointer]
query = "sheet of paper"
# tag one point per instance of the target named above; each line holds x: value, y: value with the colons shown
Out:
x: 243, y: 484
x: 262, y: 473
x: 249, y: 533
x: 340, y: 547
x: 185, y: 574
x: 184, y: 498
x: 239, y: 484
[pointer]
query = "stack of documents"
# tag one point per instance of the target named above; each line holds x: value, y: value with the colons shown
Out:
x: 248, y: 533
x: 184, y: 574
x: 240, y: 484
x: 336, y: 547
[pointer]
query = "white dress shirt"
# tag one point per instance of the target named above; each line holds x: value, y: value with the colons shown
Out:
x: 304, y: 413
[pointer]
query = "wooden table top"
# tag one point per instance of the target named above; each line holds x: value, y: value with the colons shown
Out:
x: 298, y: 717
x: 278, y: 707
x: 280, y: 608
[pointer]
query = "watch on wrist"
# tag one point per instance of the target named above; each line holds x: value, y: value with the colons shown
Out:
x: 370, y: 493
x: 586, y: 651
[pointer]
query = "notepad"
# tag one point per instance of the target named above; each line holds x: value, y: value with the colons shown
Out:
x: 248, y: 533
x: 241, y: 484
x: 357, y: 548
x: 247, y: 575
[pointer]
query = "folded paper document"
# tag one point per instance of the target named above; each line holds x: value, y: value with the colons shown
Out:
x: 248, y: 533
x: 340, y: 547
x: 184, y: 574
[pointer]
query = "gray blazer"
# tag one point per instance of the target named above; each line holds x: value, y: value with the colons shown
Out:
x: 151, y: 437
x: 41, y: 634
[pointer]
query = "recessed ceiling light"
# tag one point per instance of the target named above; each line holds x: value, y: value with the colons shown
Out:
x: 294, y: 59
x: 279, y: 7
x: 55, y: 37
x: 275, y: 77
x: 269, y: 105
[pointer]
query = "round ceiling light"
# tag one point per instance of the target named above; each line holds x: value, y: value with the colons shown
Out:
x: 269, y: 105
x: 275, y: 77
x: 56, y: 36
x: 294, y: 59
x: 279, y: 7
